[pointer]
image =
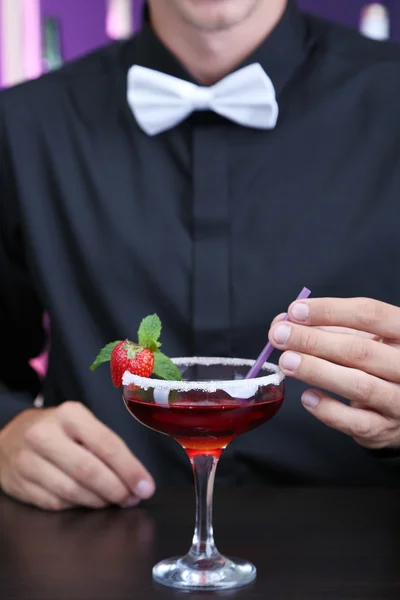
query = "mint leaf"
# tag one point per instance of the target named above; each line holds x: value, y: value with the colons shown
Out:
x: 154, y: 347
x: 104, y: 355
x: 149, y: 333
x: 165, y: 368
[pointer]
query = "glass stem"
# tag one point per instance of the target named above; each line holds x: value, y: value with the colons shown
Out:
x: 204, y: 468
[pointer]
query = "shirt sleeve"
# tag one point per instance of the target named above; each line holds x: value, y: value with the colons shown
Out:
x: 22, y: 336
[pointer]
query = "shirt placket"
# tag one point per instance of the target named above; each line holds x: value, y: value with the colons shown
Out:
x: 211, y: 291
x: 211, y: 237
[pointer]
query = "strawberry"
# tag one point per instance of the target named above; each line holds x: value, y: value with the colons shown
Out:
x: 143, y: 358
x: 127, y: 356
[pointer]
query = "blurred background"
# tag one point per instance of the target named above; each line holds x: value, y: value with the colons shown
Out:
x: 39, y: 35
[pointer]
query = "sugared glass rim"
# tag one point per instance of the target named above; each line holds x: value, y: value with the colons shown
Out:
x: 231, y: 387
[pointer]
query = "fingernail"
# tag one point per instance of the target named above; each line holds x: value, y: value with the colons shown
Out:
x: 300, y: 311
x: 310, y: 399
x: 290, y: 361
x: 131, y: 502
x: 145, y: 489
x: 282, y: 334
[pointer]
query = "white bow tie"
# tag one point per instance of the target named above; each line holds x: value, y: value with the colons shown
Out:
x: 160, y: 101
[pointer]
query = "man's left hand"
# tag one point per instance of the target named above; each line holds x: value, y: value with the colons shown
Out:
x: 351, y: 348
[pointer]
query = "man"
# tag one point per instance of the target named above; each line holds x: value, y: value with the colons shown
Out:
x: 110, y: 213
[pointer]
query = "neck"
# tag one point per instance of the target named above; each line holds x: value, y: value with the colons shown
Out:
x: 208, y: 55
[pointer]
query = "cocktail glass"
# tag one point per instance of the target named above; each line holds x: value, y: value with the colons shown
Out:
x: 208, y: 409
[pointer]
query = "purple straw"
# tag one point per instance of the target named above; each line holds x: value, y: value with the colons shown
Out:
x: 266, y: 353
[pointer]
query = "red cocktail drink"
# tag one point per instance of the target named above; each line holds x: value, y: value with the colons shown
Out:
x: 211, y: 406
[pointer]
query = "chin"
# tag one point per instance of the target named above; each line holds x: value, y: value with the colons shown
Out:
x: 214, y: 15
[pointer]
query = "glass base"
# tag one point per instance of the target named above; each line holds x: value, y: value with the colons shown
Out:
x: 204, y: 574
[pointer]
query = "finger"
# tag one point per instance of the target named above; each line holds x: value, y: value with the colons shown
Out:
x: 45, y: 475
x: 348, y: 350
x: 79, y: 464
x: 348, y: 331
x: 353, y: 384
x: 334, y: 329
x: 367, y: 427
x: 363, y: 314
x: 81, y: 425
x: 330, y: 328
x: 278, y: 318
x: 36, y: 495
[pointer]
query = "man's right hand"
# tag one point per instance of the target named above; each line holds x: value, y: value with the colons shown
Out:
x: 58, y: 458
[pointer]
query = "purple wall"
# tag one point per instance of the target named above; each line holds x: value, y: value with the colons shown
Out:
x: 137, y: 10
x: 82, y: 24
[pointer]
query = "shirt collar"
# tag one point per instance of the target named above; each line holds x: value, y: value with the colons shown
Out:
x: 280, y: 54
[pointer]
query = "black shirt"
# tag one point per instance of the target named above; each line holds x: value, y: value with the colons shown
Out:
x: 212, y: 225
